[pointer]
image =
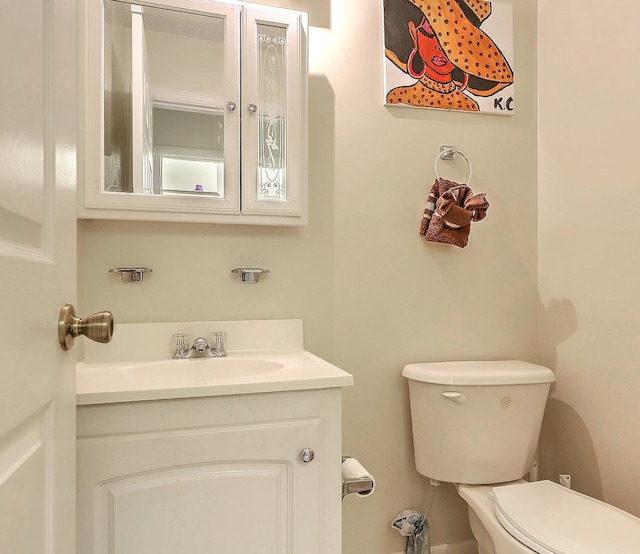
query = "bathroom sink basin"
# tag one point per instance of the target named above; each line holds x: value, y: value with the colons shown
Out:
x: 170, y: 374
x: 196, y: 371
x: 204, y: 370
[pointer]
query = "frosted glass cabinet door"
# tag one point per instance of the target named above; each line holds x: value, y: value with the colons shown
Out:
x: 274, y: 86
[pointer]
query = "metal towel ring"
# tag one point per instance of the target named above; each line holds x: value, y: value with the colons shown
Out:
x: 449, y: 153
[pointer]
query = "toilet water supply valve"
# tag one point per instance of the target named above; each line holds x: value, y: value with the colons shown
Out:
x: 414, y: 525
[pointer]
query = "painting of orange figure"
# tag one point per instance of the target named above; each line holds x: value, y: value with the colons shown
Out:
x: 449, y: 55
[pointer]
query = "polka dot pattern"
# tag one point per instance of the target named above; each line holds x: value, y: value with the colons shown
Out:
x: 466, y: 46
x: 421, y: 96
x: 481, y: 8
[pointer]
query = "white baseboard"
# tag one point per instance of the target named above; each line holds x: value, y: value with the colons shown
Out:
x: 464, y: 547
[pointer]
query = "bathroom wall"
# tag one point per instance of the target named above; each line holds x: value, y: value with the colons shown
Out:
x: 373, y: 295
x: 588, y: 244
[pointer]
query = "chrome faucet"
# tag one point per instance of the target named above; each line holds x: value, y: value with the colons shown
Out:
x: 200, y: 349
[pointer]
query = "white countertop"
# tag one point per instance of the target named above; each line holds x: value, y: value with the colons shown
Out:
x: 263, y: 356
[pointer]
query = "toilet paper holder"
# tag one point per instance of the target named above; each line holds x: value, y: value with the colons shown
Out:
x: 362, y: 485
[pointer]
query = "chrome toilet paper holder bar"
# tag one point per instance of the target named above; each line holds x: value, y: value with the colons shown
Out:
x: 351, y: 486
x: 360, y: 485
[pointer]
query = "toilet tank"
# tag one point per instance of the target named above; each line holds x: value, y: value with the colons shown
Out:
x: 476, y: 422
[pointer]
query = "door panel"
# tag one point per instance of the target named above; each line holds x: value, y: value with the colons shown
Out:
x: 23, y: 486
x: 22, y: 143
x: 203, y: 508
x: 37, y: 270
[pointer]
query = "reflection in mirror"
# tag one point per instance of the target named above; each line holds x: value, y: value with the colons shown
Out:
x: 187, y: 152
x: 163, y: 101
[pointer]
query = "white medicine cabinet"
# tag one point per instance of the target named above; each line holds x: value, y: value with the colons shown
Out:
x: 194, y: 111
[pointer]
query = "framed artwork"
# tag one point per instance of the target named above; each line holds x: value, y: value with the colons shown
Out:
x: 449, y: 55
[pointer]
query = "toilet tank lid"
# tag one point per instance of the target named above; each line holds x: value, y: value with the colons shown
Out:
x: 502, y: 372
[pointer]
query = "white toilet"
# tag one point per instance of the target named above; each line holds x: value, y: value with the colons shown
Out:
x: 477, y: 424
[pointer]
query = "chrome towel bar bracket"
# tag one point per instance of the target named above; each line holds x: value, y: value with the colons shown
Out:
x: 131, y: 274
x: 250, y: 274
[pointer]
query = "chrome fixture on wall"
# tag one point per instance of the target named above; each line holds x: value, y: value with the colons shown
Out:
x: 449, y: 153
x: 355, y: 478
x: 249, y: 274
x: 131, y: 274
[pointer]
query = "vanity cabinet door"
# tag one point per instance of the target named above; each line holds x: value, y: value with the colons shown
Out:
x: 225, y: 489
x: 274, y: 91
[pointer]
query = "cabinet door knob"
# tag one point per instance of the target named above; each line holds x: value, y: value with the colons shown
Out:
x: 307, y: 455
x: 252, y: 108
x: 231, y: 106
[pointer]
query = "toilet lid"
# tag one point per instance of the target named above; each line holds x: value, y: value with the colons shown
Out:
x: 551, y: 519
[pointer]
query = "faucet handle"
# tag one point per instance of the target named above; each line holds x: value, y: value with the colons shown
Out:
x: 180, y: 346
x: 218, y: 342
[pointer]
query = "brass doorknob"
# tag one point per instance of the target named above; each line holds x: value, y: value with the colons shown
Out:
x: 97, y: 327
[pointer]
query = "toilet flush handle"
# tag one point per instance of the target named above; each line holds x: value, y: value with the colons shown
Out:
x: 457, y: 397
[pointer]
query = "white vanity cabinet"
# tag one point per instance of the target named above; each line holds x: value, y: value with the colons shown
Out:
x: 212, y: 474
x: 194, y: 111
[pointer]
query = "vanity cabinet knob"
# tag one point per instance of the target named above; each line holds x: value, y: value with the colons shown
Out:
x: 307, y: 455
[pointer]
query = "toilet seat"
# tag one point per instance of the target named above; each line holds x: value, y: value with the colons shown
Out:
x: 551, y: 519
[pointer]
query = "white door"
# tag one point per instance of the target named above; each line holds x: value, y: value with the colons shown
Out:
x: 37, y: 275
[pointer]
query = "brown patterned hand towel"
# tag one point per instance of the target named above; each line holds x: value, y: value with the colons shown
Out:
x: 451, y: 207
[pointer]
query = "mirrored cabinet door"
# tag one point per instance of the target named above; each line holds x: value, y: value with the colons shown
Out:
x: 168, y: 87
